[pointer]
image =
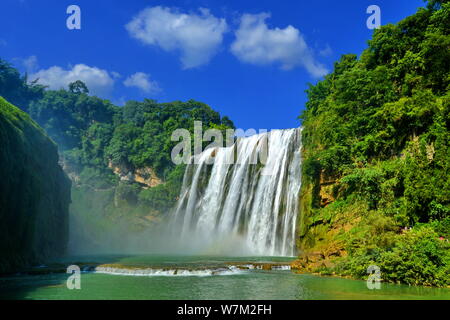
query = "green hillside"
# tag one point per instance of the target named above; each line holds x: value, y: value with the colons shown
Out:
x: 376, y: 136
x: 118, y: 158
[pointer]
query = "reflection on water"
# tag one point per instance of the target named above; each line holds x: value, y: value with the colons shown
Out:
x: 245, y: 284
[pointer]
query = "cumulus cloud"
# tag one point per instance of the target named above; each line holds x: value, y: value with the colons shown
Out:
x: 143, y: 82
x: 257, y: 44
x: 100, y: 82
x: 197, y: 37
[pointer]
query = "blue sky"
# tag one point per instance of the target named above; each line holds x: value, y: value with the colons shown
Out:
x: 250, y: 60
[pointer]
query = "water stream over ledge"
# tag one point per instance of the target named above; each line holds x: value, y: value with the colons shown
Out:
x: 229, y: 197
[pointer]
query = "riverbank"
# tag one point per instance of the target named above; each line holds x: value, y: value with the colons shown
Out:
x: 319, y: 264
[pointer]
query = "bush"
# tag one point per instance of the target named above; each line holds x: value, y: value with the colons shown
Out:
x: 417, y: 257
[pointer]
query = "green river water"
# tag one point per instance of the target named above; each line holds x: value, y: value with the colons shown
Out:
x: 199, y: 277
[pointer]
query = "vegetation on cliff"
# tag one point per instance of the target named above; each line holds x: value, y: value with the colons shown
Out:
x: 118, y: 157
x: 377, y: 158
x: 34, y: 193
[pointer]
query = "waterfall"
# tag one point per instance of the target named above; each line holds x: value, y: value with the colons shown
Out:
x: 229, y: 198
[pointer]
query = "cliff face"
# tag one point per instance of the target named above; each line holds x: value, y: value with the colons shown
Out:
x: 144, y: 176
x: 34, y: 193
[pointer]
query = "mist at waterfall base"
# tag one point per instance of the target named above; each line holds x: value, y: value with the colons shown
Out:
x: 230, y: 204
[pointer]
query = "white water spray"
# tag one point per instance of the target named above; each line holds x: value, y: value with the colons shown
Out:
x: 247, y: 207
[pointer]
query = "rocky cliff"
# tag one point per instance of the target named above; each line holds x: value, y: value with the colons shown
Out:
x: 34, y: 193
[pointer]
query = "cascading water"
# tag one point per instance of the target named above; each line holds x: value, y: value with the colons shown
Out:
x: 228, y: 198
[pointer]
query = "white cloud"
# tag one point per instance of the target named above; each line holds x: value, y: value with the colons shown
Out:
x: 196, y: 36
x: 115, y: 75
x: 30, y: 63
x: 100, y: 82
x: 326, y: 52
x: 143, y: 82
x: 257, y: 44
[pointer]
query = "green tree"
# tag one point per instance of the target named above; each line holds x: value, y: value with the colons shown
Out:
x: 16, y: 89
x: 78, y: 87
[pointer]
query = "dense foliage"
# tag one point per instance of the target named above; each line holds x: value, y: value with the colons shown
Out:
x: 377, y: 144
x: 16, y: 89
x: 101, y: 145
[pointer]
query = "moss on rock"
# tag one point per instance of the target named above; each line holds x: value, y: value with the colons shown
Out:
x: 34, y: 193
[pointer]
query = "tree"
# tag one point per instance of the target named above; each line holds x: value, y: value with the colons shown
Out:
x: 435, y: 4
x: 16, y: 89
x: 78, y: 87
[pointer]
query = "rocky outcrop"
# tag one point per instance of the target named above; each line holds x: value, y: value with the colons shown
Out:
x: 145, y: 176
x: 34, y: 193
x: 323, y: 257
x: 326, y: 191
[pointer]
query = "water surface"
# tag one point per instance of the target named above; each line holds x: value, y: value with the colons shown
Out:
x: 211, y: 283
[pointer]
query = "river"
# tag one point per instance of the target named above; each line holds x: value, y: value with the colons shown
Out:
x: 197, y: 277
